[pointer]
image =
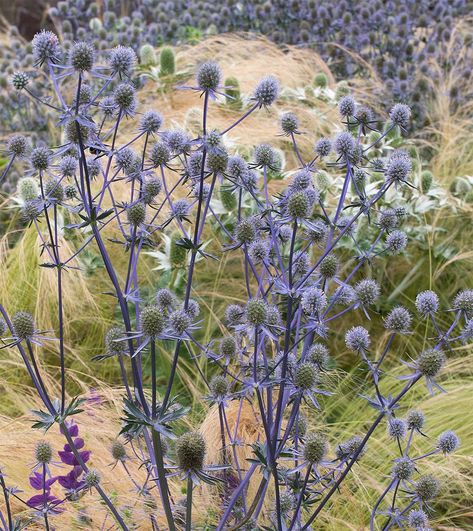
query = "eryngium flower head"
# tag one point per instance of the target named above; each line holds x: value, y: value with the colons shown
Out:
x: 367, y: 291
x: 3, y: 327
x: 68, y: 166
x: 122, y: 60
x: 344, y: 144
x: 151, y: 122
x: 348, y: 448
x: 463, y: 302
x: 209, y: 76
x: 256, y: 312
x: 302, y: 180
x: 30, y: 211
x: 23, y: 325
x: 190, y: 451
x: 400, y: 114
x: 228, y: 346
x: 217, y: 161
x: 92, y: 479
x: 398, y: 167
x: 193, y: 308
x: 81, y: 56
x: 264, y: 155
x: 328, y: 266
x: 118, y: 451
x: 151, y: 188
x: 160, y: 154
x: 112, y: 344
x: 397, y: 428
x: 179, y: 321
x: 427, y: 302
x: 417, y: 519
x: 346, y: 106
x: 357, y: 339
x: 387, y: 218
x: 17, y: 145
x: 39, y: 158
x: 403, y: 468
x: 152, y: 321
x: 234, y: 314
x: 246, y: 231
x: 165, y: 298
x: 267, y: 91
x: 313, y: 300
x: 43, y: 452
x: 289, y: 123
x: 125, y: 98
x: 315, y: 448
x: 415, y: 420
x: 259, y: 251
x: 426, y: 488
x: 430, y: 362
x: 45, y: 47
x: 398, y: 320
x: 54, y: 190
x: 20, y: 80
x: 306, y: 376
x: 318, y: 355
x: 323, y: 147
x: 218, y: 386
x: 299, y: 205
x: 396, y: 241
x: 287, y: 502
x: 136, y: 214
x: 448, y: 442
x: 28, y: 189
x: 94, y: 167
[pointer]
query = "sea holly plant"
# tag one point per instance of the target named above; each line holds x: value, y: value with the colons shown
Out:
x: 276, y: 349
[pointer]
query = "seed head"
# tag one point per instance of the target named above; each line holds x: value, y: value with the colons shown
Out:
x: 180, y: 321
x: 190, y: 451
x: 463, y: 302
x: 427, y: 302
x: 43, y: 452
x: 318, y: 355
x: 430, y: 362
x: 289, y: 123
x: 415, y: 420
x: 306, y: 376
x: 17, y: 145
x: 403, y: 469
x: 112, y: 345
x: 299, y: 205
x: 357, y: 339
x: 426, y: 488
x: 20, y: 80
x: 217, y: 161
x: 448, y: 442
x: 153, y: 321
x: 267, y: 91
x: 151, y: 189
x: 92, y: 479
x: 329, y: 266
x: 209, y: 76
x: 256, y: 312
x: 302, y: 180
x: 348, y: 448
x: 165, y: 298
x: 178, y: 141
x: 315, y: 448
x: 118, y: 451
x: 228, y: 346
x: 234, y: 314
x: 39, y: 158
x: 218, y: 386
x: 259, y: 251
x: 81, y: 56
x: 398, y: 320
x: 160, y: 154
x: 23, y: 325
x: 246, y: 231
x: 136, y: 214
x: 264, y: 155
